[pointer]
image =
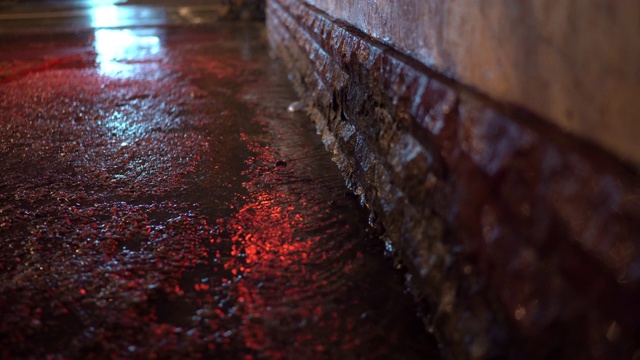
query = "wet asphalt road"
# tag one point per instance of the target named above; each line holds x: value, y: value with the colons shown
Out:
x: 157, y: 200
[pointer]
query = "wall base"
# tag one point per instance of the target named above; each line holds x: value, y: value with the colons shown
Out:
x: 522, y: 239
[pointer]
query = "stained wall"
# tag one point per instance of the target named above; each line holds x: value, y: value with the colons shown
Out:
x: 575, y: 63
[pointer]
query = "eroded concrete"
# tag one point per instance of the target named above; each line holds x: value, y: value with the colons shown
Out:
x: 573, y: 63
x: 522, y: 239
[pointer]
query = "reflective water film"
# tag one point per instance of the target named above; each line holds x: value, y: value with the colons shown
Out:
x: 157, y: 200
x: 118, y: 49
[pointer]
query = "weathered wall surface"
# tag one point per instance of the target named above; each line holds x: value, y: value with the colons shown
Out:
x: 575, y: 62
x: 523, y: 240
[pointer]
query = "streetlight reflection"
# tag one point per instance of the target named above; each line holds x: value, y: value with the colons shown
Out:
x: 105, y: 15
x: 117, y: 48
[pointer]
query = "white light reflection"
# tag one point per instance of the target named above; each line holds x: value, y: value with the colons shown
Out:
x: 117, y: 49
x: 105, y: 16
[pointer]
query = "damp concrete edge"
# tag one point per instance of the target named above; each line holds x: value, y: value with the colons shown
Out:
x: 521, y: 238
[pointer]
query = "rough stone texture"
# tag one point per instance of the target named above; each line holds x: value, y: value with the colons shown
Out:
x: 524, y: 240
x: 573, y: 62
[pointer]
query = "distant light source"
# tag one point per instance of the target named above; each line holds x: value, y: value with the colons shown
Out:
x: 117, y: 48
x: 105, y: 15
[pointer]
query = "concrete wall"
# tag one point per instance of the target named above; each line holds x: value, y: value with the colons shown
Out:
x: 523, y: 240
x: 574, y: 62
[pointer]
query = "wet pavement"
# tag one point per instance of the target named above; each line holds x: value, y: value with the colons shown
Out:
x: 157, y: 200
